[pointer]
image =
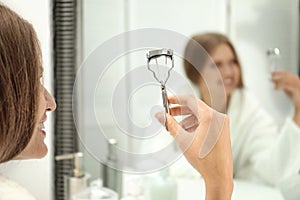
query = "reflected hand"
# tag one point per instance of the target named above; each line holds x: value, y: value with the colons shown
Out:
x: 204, y: 138
x: 290, y: 84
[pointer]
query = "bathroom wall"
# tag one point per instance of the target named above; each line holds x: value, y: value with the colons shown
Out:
x: 36, y: 175
x: 256, y: 26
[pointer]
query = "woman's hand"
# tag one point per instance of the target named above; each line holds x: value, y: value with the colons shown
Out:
x: 204, y: 137
x: 290, y: 84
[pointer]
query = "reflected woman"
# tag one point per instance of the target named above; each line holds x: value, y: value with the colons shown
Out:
x: 259, y: 151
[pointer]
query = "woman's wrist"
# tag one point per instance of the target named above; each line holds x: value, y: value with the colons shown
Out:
x: 221, y: 190
x: 296, y: 117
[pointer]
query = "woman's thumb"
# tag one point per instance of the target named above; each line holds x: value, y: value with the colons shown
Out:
x: 172, y: 126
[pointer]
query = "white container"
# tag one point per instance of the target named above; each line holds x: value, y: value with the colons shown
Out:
x: 162, y: 186
x: 96, y: 192
x: 135, y: 190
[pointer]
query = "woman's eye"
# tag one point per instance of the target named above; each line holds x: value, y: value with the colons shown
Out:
x: 219, y: 65
x: 233, y: 62
x: 212, y: 65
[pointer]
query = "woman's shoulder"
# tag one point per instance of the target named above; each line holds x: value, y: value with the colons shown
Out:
x: 11, y: 190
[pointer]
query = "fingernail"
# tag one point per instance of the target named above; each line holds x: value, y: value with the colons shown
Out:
x: 160, y: 117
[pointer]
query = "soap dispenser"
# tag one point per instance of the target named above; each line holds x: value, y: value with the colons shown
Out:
x: 78, y: 179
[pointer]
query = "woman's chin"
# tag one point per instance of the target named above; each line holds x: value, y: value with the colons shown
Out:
x: 43, y: 152
x: 229, y: 90
x: 35, y: 153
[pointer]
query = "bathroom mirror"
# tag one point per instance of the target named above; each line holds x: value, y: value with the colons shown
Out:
x: 253, y: 26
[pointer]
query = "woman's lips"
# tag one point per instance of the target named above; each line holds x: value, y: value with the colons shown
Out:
x: 42, y: 127
x: 43, y: 132
x: 228, y: 81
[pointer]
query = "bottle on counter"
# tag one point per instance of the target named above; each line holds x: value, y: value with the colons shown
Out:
x: 96, y: 192
x: 112, y: 177
x: 78, y: 179
x: 134, y: 190
x: 162, y: 186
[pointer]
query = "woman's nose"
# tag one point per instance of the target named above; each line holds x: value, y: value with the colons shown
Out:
x: 228, y: 69
x: 51, y: 105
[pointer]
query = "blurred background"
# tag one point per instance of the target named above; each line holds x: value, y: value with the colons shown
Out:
x: 253, y: 26
x: 69, y: 32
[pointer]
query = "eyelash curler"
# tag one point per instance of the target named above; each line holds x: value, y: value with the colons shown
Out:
x: 273, y: 55
x: 157, y: 55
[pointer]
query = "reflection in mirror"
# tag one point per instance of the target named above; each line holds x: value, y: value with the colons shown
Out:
x: 253, y: 27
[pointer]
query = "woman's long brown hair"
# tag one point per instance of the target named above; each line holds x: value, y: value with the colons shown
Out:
x: 20, y: 61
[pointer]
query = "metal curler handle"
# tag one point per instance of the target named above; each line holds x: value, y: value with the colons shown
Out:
x: 274, y: 58
x: 165, y: 103
x: 154, y: 54
x: 165, y: 98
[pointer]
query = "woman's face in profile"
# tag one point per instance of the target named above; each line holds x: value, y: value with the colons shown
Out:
x: 228, y: 67
x: 36, y: 147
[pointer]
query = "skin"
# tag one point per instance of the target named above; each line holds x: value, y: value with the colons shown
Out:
x: 230, y: 72
x: 290, y: 84
x: 190, y: 134
x: 36, y: 147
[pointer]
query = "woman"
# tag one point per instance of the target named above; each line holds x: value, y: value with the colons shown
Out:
x: 259, y: 153
x: 24, y: 100
x: 24, y: 103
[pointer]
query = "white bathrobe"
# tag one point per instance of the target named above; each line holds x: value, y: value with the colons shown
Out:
x: 260, y: 151
x: 10, y: 190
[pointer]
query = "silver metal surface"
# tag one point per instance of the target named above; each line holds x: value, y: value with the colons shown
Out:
x: 273, y: 55
x: 165, y: 103
x: 165, y: 99
x: 155, y: 54
x: 159, y: 52
x: 273, y: 51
